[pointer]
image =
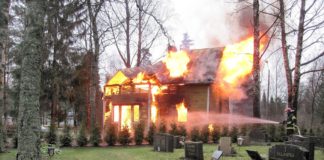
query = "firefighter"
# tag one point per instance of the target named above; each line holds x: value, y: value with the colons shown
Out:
x: 291, y: 121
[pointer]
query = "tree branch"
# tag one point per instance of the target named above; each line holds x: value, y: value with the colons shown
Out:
x: 311, y: 71
x: 310, y: 61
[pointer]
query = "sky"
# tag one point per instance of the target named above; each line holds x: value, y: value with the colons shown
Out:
x: 216, y: 23
x: 209, y: 23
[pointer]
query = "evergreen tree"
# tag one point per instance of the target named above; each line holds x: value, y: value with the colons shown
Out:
x: 124, y: 136
x: 264, y: 107
x: 82, y: 138
x: 173, y: 129
x: 162, y: 127
x: 139, y: 133
x: 51, y: 136
x: 233, y: 134
x: 66, y: 138
x: 95, y: 138
x: 151, y: 133
x: 111, y: 134
x: 224, y: 131
x: 29, y: 119
x: 4, y: 48
x: 204, y: 134
x: 216, y: 134
x: 186, y: 42
x: 195, y: 134
x: 182, y: 130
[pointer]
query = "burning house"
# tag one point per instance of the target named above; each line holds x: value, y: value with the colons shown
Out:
x: 198, y: 80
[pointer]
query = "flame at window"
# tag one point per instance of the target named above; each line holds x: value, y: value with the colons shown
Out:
x: 182, y: 112
x: 126, y: 116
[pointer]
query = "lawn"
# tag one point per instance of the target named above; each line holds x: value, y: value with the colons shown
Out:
x: 143, y: 153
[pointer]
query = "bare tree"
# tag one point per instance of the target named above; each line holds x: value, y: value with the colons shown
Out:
x: 315, y: 81
x: 135, y: 26
x: 307, y: 27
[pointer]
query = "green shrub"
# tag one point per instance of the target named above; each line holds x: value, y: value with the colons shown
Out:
x: 15, y: 141
x: 162, y: 127
x: 66, y: 138
x: 151, y: 133
x: 224, y: 131
x: 82, y: 139
x: 244, y: 130
x: 182, y: 130
x: 111, y: 134
x: 51, y: 135
x: 281, y: 134
x: 194, y: 134
x: 233, y: 134
x: 95, y: 138
x: 204, y: 134
x: 272, y: 133
x: 311, y: 133
x: 303, y: 131
x: 139, y: 133
x: 124, y: 136
x: 215, y: 134
x: 173, y: 129
x: 318, y: 131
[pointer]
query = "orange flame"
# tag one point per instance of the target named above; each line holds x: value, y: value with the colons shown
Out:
x: 139, y: 78
x: 182, y: 112
x: 236, y: 63
x: 154, y: 111
x: 176, y: 63
x: 126, y: 116
x: 210, y: 128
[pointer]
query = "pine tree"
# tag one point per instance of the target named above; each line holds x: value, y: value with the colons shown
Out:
x: 186, y: 42
x: 151, y: 133
x: 95, y: 138
x: 4, y: 48
x: 139, y: 133
x: 29, y: 119
x: 111, y: 134
x: 173, y: 129
x: 162, y: 127
x: 66, y: 138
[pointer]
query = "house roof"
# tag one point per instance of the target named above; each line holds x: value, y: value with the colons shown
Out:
x: 202, y: 68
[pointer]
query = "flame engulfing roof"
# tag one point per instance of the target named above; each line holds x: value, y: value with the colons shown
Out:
x: 202, y: 68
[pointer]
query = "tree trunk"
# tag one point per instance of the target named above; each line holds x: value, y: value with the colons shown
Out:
x: 256, y: 59
x: 4, y: 41
x: 53, y: 31
x: 94, y: 69
x: 128, y: 59
x: 28, y: 117
x: 299, y: 50
x: 285, y: 52
x: 139, y: 43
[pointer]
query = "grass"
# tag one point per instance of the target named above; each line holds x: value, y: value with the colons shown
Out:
x: 143, y: 153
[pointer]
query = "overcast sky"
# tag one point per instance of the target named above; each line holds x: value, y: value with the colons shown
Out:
x: 215, y: 23
x: 209, y: 23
